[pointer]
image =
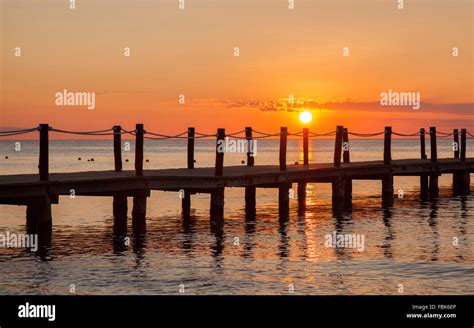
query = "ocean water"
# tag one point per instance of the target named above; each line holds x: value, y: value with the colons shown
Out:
x: 408, y: 247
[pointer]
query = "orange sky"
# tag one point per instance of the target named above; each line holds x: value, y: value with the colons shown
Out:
x: 282, y: 52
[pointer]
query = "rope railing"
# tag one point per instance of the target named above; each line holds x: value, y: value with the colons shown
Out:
x: 366, y: 134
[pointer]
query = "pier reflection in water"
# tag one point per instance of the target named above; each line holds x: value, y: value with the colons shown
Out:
x: 258, y: 252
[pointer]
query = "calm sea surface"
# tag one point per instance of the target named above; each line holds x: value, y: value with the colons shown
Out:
x: 410, y: 244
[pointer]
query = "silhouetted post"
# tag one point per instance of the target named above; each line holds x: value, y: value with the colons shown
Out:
x: 346, y: 159
x: 301, y: 197
x: 186, y: 194
x: 220, y: 149
x: 191, y: 148
x: 423, y: 144
x: 117, y: 148
x: 387, y: 146
x: 44, y: 152
x: 434, y: 150
x: 423, y: 177
x: 338, y: 146
x: 462, y: 179
x: 387, y: 190
x: 305, y: 146
x: 38, y: 218
x: 456, y: 143
x: 250, y: 154
x: 284, y: 200
x: 119, y: 202
x: 250, y: 191
x: 433, y: 184
x: 217, y: 204
x: 139, y: 150
x: 338, y: 195
x: 463, y: 145
x: 283, y: 143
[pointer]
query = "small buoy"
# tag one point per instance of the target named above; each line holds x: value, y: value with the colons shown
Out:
x: 296, y: 163
x: 88, y: 160
x: 147, y: 160
x: 126, y: 160
x: 6, y: 157
x: 194, y: 161
x: 242, y: 162
x: 92, y: 159
x: 78, y: 158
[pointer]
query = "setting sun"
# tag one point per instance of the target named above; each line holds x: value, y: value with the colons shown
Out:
x: 306, y: 117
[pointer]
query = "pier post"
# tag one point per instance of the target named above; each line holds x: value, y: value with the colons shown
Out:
x: 346, y: 159
x: 283, y: 144
x: 423, y: 177
x: 139, y: 213
x: 338, y: 146
x: 119, y: 202
x: 117, y: 148
x: 305, y: 146
x: 456, y: 145
x: 191, y: 133
x: 44, y: 152
x: 120, y: 208
x: 433, y: 184
x: 462, y: 179
x: 220, y: 149
x: 186, y: 197
x: 217, y: 205
x: 139, y: 132
x: 387, y: 190
x: 463, y: 145
x: 301, y: 197
x: 38, y: 218
x: 284, y: 200
x: 250, y: 191
x: 338, y: 195
x: 434, y: 150
x: 387, y: 146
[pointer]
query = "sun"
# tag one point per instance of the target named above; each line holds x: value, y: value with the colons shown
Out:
x: 306, y: 117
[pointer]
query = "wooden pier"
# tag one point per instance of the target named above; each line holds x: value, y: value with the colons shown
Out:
x: 38, y: 191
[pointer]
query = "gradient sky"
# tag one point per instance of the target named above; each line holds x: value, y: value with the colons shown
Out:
x: 282, y: 52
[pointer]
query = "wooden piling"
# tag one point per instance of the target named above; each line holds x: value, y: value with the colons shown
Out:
x: 434, y: 150
x: 338, y: 194
x: 139, y: 132
x: 186, y: 203
x: 338, y: 146
x: 305, y: 146
x: 250, y: 191
x: 456, y: 145
x: 301, y: 197
x: 284, y: 200
x: 434, y: 187
x: 220, y: 149
x: 217, y: 204
x: 387, y: 190
x: 423, y: 144
x: 191, y: 134
x: 250, y: 154
x: 120, y: 208
x: 347, y: 159
x: 38, y: 218
x: 139, y: 214
x: 283, y: 144
x: 463, y: 145
x: 423, y: 177
x: 117, y: 148
x: 387, y: 146
x: 44, y: 152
